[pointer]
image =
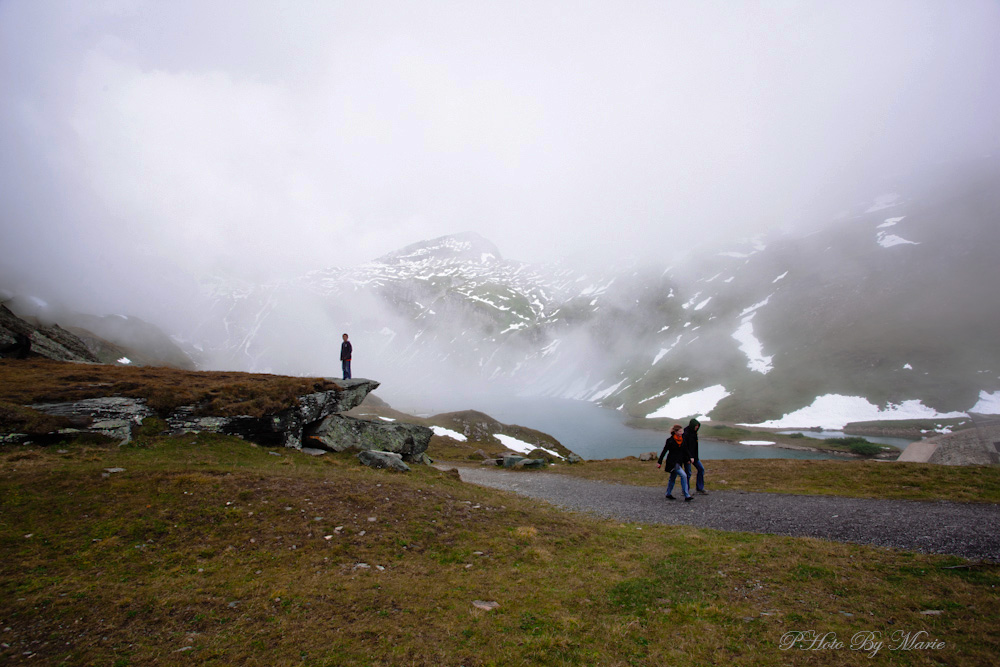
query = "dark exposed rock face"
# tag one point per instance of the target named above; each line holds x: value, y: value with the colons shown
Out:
x: 51, y: 342
x: 338, y: 433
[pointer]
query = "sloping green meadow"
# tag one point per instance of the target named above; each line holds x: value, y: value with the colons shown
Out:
x: 207, y: 550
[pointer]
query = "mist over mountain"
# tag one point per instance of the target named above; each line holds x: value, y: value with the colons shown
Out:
x: 893, y: 303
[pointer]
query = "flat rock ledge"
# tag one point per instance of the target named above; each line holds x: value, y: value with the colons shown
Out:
x: 315, y: 422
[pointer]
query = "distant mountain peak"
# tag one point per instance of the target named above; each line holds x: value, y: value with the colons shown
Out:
x: 466, y: 246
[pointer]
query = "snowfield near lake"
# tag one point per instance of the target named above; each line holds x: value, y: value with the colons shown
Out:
x: 699, y: 403
x: 756, y: 443
x: 835, y: 411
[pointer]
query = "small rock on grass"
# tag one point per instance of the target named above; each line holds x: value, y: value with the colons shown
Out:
x: 485, y: 605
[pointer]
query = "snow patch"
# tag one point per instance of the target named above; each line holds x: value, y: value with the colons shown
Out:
x: 125, y: 361
x: 607, y: 392
x: 703, y: 304
x: 751, y: 347
x: 889, y: 222
x: 989, y: 404
x: 835, y: 411
x: 887, y: 200
x: 756, y: 443
x: 699, y: 402
x: 520, y: 446
x: 779, y: 277
x: 448, y: 433
x: 759, y: 304
x: 889, y: 240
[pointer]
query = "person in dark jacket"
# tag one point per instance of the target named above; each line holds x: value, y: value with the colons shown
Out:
x: 691, y: 444
x: 345, y: 357
x: 677, y: 457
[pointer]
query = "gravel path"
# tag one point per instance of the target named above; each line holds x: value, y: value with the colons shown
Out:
x: 963, y: 529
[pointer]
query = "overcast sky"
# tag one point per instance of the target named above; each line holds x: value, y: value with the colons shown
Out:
x: 138, y: 138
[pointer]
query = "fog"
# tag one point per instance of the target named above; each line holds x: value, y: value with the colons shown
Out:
x: 146, y: 145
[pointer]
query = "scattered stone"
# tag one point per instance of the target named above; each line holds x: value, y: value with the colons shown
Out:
x: 312, y: 451
x: 484, y: 605
x: 377, y: 459
x: 932, y: 612
x: 510, y: 460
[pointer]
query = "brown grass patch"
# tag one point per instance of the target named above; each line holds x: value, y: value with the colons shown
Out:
x: 165, y: 389
x: 210, y: 551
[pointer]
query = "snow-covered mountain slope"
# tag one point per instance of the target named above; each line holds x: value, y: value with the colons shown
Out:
x: 893, y: 304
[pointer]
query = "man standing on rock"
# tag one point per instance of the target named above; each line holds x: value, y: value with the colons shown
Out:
x: 345, y: 357
x: 691, y: 444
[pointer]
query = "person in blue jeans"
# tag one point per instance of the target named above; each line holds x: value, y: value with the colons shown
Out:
x: 677, y: 457
x: 345, y: 357
x: 691, y: 444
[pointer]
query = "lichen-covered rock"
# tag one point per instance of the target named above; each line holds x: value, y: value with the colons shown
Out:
x: 119, y: 417
x: 511, y: 460
x: 377, y: 459
x: 285, y: 428
x: 114, y: 416
x: 338, y: 433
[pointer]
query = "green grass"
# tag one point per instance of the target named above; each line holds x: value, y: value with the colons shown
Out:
x: 208, y: 550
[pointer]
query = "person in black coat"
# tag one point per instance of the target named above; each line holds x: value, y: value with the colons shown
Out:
x: 346, y: 350
x: 677, y: 456
x: 691, y: 444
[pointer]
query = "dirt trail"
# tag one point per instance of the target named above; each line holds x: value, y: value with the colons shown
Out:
x: 968, y: 530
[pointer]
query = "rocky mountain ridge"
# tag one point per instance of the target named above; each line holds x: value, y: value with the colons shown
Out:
x: 887, y: 312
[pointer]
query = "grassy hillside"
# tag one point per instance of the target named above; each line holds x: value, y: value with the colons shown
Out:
x: 208, y: 550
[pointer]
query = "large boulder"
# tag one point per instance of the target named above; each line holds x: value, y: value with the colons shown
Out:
x: 338, y: 433
x: 114, y: 416
x: 285, y: 428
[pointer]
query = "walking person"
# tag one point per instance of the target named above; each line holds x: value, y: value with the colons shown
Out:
x: 677, y: 457
x: 345, y: 357
x: 691, y: 444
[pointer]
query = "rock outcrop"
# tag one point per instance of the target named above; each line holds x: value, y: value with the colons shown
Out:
x: 316, y: 419
x: 979, y: 445
x: 338, y: 433
x: 285, y: 428
x: 52, y: 342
